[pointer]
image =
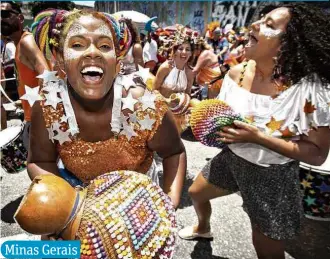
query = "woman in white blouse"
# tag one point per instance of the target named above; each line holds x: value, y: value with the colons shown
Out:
x: 285, y: 92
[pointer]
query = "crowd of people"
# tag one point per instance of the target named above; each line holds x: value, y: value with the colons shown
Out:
x: 105, y: 106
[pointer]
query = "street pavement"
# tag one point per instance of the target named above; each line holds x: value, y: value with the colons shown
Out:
x: 230, y: 224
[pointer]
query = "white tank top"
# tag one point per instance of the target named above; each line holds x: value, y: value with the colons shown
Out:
x: 176, y: 80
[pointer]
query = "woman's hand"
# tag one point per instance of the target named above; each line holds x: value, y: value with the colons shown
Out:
x: 243, y: 133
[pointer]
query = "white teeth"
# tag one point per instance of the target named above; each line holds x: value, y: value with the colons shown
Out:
x: 92, y: 69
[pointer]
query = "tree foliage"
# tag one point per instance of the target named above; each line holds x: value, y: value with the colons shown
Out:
x: 39, y: 6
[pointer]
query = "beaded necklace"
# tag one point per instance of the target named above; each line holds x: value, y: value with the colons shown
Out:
x: 279, y: 88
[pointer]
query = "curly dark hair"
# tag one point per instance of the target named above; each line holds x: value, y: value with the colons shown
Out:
x: 133, y: 30
x: 176, y: 46
x: 305, y: 47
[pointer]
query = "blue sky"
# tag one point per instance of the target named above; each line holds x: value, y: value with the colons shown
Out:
x: 87, y: 3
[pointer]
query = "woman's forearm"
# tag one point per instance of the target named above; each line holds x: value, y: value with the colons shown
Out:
x: 301, y: 150
x: 35, y: 169
x: 175, y: 168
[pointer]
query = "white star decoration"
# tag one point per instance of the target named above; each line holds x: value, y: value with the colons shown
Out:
x: 143, y: 73
x: 146, y: 123
x: 31, y: 95
x: 62, y: 136
x: 123, y: 118
x: 128, y: 131
x: 125, y: 80
x: 52, y: 99
x: 133, y: 118
x: 128, y: 81
x: 52, y: 87
x: 114, y: 128
x: 48, y: 76
x: 63, y: 118
x: 56, y: 126
x: 148, y: 100
x: 51, y: 133
x: 128, y: 102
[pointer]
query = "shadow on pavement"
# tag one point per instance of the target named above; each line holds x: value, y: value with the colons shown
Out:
x: 8, y: 211
x: 203, y: 249
x: 313, y: 241
x: 185, y: 199
x: 188, y: 135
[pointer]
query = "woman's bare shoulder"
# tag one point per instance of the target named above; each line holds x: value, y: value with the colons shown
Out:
x: 166, y: 66
x: 235, y: 71
x: 189, y: 71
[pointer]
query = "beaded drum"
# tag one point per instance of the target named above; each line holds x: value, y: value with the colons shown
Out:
x: 208, y: 117
x: 123, y: 215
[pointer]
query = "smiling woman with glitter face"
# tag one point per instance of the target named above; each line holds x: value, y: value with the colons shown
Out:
x: 283, y: 91
x: 95, y: 120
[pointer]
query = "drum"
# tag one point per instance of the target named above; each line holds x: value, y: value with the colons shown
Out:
x: 120, y: 214
x: 315, y: 181
x: 13, y: 152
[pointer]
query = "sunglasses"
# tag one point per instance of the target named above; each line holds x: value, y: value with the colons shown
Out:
x: 7, y: 13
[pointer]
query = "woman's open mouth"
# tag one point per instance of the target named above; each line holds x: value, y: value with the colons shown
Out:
x: 92, y: 74
x: 183, y: 57
x: 252, y: 41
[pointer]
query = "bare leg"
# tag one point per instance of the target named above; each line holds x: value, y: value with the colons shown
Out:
x: 201, y: 192
x: 266, y: 247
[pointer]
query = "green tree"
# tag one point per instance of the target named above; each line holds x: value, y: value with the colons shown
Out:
x: 37, y: 6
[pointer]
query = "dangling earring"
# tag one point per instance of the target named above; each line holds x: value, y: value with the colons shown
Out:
x: 60, y: 72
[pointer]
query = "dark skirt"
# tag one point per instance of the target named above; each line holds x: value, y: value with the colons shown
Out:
x: 271, y: 195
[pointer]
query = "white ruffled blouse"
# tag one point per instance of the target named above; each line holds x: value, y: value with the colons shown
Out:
x: 292, y: 113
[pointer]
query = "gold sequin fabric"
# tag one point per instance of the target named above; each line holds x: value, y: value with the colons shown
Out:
x: 87, y: 160
x: 126, y: 216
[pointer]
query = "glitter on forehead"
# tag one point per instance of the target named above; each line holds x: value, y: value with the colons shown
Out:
x: 78, y: 29
x: 104, y: 30
x: 75, y: 29
x: 269, y: 32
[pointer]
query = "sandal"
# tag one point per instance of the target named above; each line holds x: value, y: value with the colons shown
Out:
x: 189, y: 234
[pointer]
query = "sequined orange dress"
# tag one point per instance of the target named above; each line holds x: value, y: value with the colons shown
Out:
x: 87, y: 160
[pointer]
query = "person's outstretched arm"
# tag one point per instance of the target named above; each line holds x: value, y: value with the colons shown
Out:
x: 167, y: 143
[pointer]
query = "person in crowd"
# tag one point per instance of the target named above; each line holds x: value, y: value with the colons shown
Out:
x: 207, y: 68
x: 283, y: 88
x: 150, y: 51
x: 175, y: 75
x: 3, y: 100
x: 237, y: 48
x: 133, y: 58
x: 219, y: 44
x: 30, y: 62
x: 8, y: 59
x: 94, y: 120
